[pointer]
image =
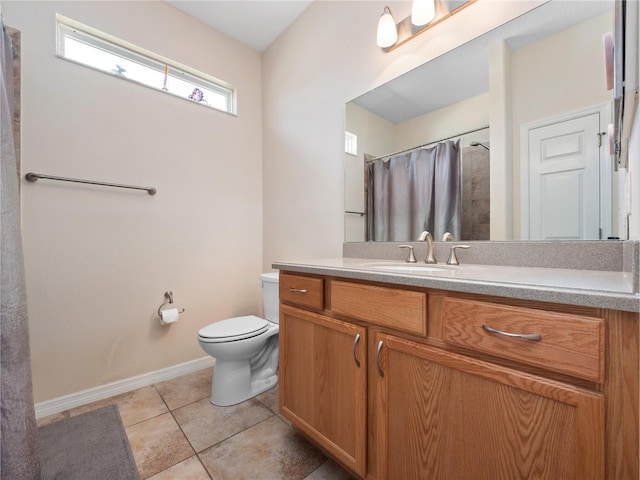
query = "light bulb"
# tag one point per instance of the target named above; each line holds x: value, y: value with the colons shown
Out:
x: 387, y: 32
x: 422, y: 12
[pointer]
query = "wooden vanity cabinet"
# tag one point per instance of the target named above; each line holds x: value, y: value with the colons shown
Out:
x: 433, y: 395
x: 323, y: 375
x: 441, y: 415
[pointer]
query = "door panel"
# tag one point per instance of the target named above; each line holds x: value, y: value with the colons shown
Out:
x: 562, y: 214
x: 564, y: 180
x: 323, y: 389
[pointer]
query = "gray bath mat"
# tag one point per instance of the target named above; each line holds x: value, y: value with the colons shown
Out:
x: 91, y: 446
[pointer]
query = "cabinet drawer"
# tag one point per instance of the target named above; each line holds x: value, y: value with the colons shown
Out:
x: 390, y: 307
x: 569, y: 344
x: 300, y: 290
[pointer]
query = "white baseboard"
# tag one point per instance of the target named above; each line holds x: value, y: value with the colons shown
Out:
x: 73, y: 400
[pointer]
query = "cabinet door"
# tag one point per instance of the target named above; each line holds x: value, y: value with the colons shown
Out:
x: 445, y: 416
x: 323, y: 382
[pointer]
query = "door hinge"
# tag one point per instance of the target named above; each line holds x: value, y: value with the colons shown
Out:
x: 600, y: 134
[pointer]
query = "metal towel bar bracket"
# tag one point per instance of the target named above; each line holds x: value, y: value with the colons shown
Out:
x: 169, y: 296
x: 32, y: 177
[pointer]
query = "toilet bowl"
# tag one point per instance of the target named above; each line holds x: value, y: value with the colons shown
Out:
x: 245, y: 349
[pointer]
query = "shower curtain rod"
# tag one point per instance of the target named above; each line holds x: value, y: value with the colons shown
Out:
x: 406, y: 150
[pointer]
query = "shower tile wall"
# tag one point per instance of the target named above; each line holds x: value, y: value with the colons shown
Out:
x: 475, y: 194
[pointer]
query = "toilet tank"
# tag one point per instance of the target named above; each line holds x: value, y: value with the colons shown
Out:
x: 270, y: 296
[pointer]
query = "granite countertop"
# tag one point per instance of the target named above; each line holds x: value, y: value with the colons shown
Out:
x: 593, y: 288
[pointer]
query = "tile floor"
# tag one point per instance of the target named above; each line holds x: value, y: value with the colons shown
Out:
x: 176, y: 433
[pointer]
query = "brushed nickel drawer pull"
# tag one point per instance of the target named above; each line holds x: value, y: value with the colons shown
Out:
x: 534, y: 337
x: 380, y: 372
x: 355, y: 345
x: 297, y: 290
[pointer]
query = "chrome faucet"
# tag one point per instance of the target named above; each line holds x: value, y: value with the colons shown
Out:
x: 426, y: 236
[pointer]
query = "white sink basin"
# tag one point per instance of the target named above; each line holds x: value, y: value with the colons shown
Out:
x: 415, y: 268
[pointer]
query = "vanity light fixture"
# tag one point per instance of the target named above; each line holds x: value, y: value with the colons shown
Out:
x: 424, y: 14
x: 387, y: 31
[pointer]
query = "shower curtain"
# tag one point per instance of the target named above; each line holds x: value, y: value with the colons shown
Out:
x: 413, y: 192
x: 18, y: 430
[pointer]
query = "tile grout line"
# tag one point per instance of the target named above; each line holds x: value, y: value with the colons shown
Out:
x: 195, y: 453
x: 227, y: 438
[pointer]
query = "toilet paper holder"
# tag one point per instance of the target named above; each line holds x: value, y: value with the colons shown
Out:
x: 169, y: 296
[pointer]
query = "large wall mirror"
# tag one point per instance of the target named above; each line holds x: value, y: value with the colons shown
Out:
x: 525, y: 108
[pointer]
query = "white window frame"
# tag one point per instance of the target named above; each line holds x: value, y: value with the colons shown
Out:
x: 68, y: 28
x: 351, y: 143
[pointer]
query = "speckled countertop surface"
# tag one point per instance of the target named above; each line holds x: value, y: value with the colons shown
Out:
x: 594, y: 288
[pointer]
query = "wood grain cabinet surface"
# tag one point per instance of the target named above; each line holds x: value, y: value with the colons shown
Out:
x: 564, y: 343
x: 400, y: 309
x: 301, y: 290
x: 403, y: 383
x: 446, y: 416
x: 323, y: 375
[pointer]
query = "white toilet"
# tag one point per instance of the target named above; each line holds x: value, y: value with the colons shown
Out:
x: 245, y: 349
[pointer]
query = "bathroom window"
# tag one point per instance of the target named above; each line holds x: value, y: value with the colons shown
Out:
x: 86, y: 46
x: 350, y: 143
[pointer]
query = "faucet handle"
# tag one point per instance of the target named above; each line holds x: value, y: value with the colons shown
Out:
x: 448, y: 237
x: 411, y: 258
x: 453, y: 260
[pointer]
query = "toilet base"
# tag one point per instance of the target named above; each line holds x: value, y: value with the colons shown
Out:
x: 235, y: 381
x: 233, y: 390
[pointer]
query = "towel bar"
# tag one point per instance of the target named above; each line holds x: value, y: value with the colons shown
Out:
x: 32, y: 177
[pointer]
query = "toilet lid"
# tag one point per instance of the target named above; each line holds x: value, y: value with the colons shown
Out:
x: 235, y: 328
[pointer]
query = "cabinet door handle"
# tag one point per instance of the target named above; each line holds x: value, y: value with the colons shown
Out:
x: 534, y: 337
x: 380, y: 372
x: 297, y: 290
x: 355, y: 345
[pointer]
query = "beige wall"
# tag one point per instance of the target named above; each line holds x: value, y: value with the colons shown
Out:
x: 464, y: 116
x: 375, y: 137
x: 553, y: 77
x: 98, y: 261
x: 378, y: 136
x: 327, y: 58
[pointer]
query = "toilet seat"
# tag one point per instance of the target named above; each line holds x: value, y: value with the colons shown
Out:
x: 232, y: 329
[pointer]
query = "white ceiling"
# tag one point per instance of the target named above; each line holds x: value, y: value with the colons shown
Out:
x: 255, y: 23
